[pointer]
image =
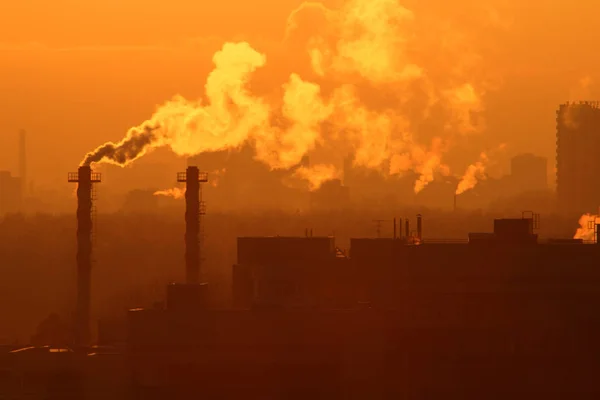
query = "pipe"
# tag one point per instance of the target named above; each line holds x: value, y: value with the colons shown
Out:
x: 399, y: 228
x: 394, y: 228
x: 419, y: 226
x: 407, y: 228
x: 84, y: 256
x: 192, y: 225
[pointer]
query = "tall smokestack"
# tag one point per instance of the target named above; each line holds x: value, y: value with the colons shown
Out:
x: 407, y: 231
x: 419, y: 226
x: 85, y: 179
x: 194, y: 209
x: 23, y: 161
x: 394, y: 228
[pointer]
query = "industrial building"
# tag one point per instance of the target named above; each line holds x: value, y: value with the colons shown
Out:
x: 498, y: 314
x: 577, y: 164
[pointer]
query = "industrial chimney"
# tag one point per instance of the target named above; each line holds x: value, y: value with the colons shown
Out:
x: 85, y: 179
x: 194, y: 210
x: 192, y: 295
x: 419, y: 227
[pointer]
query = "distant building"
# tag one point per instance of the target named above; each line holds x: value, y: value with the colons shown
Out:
x: 529, y: 173
x: 577, y: 161
x: 10, y: 193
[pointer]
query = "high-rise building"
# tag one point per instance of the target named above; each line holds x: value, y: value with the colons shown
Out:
x: 529, y: 172
x: 577, y: 161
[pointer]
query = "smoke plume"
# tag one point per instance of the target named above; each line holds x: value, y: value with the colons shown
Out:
x: 477, y: 171
x: 374, y: 90
x: 587, y: 228
x: 316, y: 175
x: 191, y: 127
x: 473, y: 174
x: 176, y: 193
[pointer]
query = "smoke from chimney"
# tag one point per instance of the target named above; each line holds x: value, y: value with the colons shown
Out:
x: 135, y: 144
x: 300, y: 118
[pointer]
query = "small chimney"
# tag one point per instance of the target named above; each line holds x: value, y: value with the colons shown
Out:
x: 407, y: 230
x: 394, y: 228
x: 597, y: 234
x: 419, y: 226
x: 194, y: 209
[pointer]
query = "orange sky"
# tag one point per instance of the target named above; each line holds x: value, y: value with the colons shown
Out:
x: 75, y: 74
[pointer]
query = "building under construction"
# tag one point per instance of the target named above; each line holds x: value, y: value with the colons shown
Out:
x: 497, y: 315
x: 577, y: 162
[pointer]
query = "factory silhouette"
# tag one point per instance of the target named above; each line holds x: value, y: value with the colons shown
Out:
x: 404, y: 313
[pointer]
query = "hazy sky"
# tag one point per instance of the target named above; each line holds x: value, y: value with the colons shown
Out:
x: 77, y: 73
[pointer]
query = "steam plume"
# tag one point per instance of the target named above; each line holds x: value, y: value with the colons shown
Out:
x: 587, y: 224
x: 477, y: 171
x: 190, y: 127
x: 316, y: 175
x: 176, y: 193
x: 474, y: 173
x: 383, y: 89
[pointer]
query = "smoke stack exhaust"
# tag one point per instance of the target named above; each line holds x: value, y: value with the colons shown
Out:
x: 419, y: 227
x: 85, y: 179
x: 194, y: 209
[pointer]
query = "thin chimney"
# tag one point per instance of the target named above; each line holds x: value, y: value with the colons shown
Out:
x: 193, y: 211
x: 419, y: 226
x: 394, y: 228
x: 85, y: 179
